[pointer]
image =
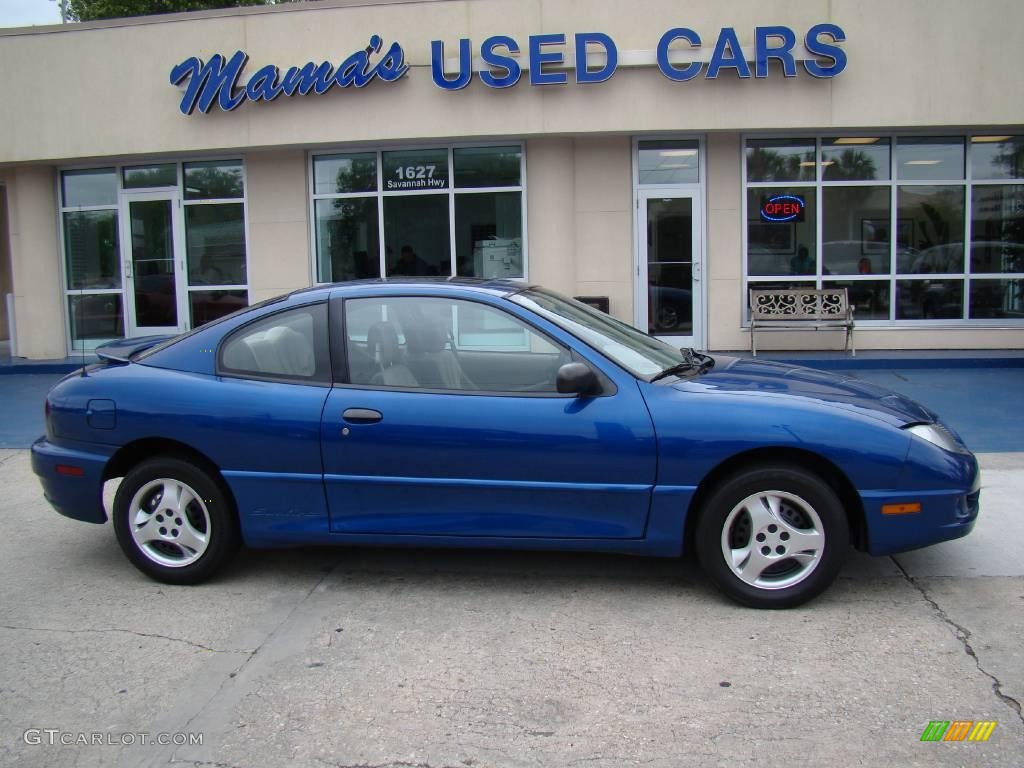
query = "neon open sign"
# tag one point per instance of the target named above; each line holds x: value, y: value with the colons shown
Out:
x: 782, y: 208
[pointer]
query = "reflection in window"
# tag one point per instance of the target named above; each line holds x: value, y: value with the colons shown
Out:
x: 997, y: 157
x: 780, y: 160
x: 95, y: 317
x: 997, y: 299
x: 417, y: 241
x: 930, y: 229
x: 91, y: 245
x: 489, y: 234
x: 347, y: 238
x: 929, y: 158
x: 997, y: 228
x: 207, y: 306
x: 143, y: 176
x: 89, y: 188
x: 929, y: 299
x: 668, y: 162
x: 781, y: 248
x: 487, y: 166
x: 213, y: 180
x: 869, y: 298
x: 855, y: 159
x: 856, y: 230
x: 215, y: 242
x: 345, y: 173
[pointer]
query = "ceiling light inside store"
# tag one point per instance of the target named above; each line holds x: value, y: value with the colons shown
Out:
x: 856, y: 140
x: 678, y: 152
x: 674, y: 165
x: 988, y: 139
x: 922, y: 162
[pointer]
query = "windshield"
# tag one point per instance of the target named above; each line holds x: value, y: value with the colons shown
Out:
x: 642, y: 355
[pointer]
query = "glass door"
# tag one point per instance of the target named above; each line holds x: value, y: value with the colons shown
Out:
x: 670, y: 267
x: 153, y: 263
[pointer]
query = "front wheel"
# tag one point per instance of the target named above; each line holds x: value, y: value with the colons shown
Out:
x: 772, y: 536
x: 174, y: 522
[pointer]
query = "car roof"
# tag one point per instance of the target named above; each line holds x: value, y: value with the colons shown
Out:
x: 493, y: 286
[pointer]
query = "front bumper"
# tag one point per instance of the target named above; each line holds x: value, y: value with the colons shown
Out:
x: 78, y: 496
x: 946, y: 513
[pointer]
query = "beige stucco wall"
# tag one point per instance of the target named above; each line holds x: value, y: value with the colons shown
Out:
x: 39, y: 310
x: 911, y: 63
x: 580, y: 206
x: 278, y: 238
x: 5, y: 264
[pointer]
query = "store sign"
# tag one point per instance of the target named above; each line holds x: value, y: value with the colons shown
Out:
x: 502, y: 63
x: 783, y: 208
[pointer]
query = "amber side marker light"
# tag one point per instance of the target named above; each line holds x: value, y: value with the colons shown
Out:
x: 901, y: 509
x: 67, y: 469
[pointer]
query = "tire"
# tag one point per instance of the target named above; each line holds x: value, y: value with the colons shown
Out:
x: 804, y: 528
x: 174, y: 521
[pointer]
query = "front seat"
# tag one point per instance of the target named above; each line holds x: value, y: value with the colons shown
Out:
x: 434, y: 366
x: 382, y: 345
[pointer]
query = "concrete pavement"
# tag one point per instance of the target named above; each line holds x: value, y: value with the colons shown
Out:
x: 387, y: 658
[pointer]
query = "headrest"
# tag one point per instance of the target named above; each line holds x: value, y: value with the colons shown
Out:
x: 382, y: 344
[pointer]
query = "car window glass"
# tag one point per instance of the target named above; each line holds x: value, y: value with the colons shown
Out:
x: 289, y: 345
x: 447, y: 344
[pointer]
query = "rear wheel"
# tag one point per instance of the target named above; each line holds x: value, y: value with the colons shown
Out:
x: 174, y: 521
x: 772, y: 536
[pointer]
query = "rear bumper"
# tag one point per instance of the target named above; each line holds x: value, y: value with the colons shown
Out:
x: 78, y: 496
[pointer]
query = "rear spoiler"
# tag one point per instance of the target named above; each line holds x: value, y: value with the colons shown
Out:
x: 121, y: 350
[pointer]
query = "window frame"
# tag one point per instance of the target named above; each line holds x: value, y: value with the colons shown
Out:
x: 118, y: 168
x: 339, y: 350
x: 322, y: 376
x: 816, y: 187
x: 379, y: 194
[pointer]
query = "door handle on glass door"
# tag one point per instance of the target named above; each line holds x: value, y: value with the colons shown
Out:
x: 127, y: 268
x: 362, y: 416
x: 696, y: 271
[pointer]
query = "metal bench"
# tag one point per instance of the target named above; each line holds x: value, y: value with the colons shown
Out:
x: 796, y: 308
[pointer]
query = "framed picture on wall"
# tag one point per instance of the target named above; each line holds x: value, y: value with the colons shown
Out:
x: 777, y: 238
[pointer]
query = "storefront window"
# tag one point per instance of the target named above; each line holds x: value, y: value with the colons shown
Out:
x: 216, y: 180
x: 487, y: 166
x: 215, y: 238
x: 346, y: 239
x: 781, y: 247
x: 442, y: 211
x: 144, y: 176
x: 855, y: 158
x: 997, y: 157
x: 780, y: 160
x: 901, y: 247
x: 125, y: 284
x: 416, y: 235
x: 668, y: 162
x: 488, y: 234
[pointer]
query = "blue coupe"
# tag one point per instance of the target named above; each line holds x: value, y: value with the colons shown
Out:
x: 462, y: 413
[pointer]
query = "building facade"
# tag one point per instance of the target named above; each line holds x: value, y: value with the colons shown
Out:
x: 159, y: 172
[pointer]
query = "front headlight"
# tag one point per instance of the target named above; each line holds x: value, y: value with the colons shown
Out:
x: 936, y: 434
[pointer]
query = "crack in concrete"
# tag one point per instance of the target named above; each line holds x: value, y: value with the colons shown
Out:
x: 252, y: 654
x: 200, y: 646
x: 964, y: 636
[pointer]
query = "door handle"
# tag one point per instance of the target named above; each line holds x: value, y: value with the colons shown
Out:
x: 362, y: 416
x: 696, y: 271
x: 127, y: 268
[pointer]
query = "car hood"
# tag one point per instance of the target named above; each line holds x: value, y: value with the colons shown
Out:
x: 748, y: 376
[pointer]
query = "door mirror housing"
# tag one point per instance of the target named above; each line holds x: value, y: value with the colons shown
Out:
x: 577, y: 379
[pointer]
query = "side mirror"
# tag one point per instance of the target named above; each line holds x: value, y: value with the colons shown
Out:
x: 577, y: 379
